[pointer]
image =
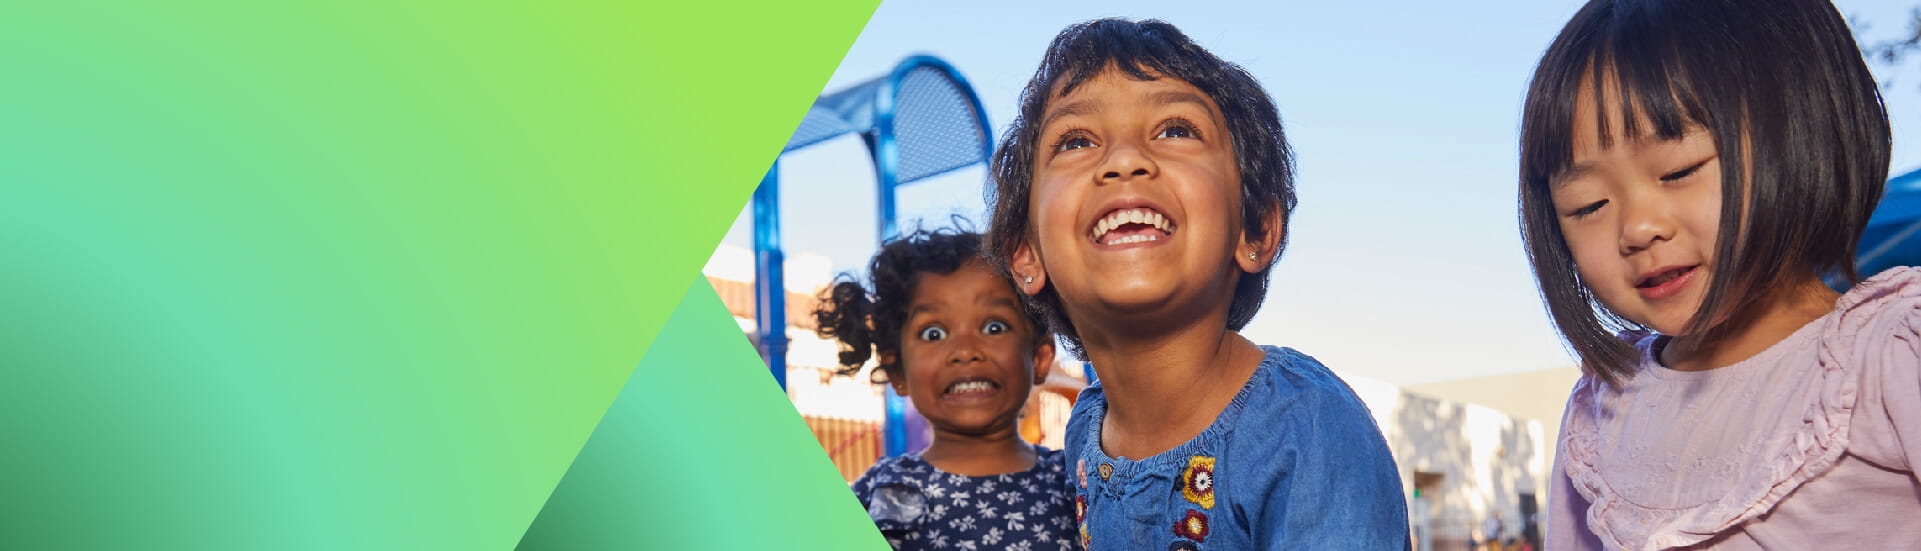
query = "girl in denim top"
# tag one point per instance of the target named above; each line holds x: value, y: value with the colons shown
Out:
x: 1694, y: 176
x: 1140, y: 199
x: 949, y: 333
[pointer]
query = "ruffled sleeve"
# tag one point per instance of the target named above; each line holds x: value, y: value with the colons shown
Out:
x: 1567, y: 526
x: 1884, y: 331
x: 892, y: 496
x: 1642, y: 495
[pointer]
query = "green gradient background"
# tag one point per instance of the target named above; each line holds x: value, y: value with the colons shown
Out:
x: 362, y: 275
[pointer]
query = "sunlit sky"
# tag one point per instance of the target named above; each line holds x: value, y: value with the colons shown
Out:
x: 1405, y: 261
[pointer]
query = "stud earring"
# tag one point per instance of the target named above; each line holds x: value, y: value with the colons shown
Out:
x: 1030, y: 279
x: 1251, y: 255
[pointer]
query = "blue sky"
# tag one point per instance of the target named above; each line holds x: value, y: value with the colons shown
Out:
x: 1405, y: 260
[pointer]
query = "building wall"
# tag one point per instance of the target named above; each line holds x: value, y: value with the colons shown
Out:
x: 1481, y: 460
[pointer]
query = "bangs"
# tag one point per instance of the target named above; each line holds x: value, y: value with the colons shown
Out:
x: 1782, y: 90
x: 1088, y: 53
x: 1630, y: 63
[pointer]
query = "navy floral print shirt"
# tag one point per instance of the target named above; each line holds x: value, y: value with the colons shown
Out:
x: 918, y: 506
x: 1294, y: 462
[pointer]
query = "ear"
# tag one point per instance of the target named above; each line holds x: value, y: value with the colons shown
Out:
x: 1030, y: 276
x: 899, y: 383
x: 1256, y: 252
x: 1043, y: 360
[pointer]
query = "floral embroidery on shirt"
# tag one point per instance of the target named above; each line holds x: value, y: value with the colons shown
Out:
x: 1080, y: 508
x: 1080, y: 470
x: 1193, y: 526
x: 1197, y: 482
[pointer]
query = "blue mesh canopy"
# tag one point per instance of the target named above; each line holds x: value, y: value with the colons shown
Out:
x: 1893, y: 236
x: 931, y: 113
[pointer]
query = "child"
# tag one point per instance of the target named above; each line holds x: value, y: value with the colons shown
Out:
x: 950, y: 333
x: 1690, y: 171
x: 1140, y: 198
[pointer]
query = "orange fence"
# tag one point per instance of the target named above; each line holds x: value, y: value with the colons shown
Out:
x: 853, y: 445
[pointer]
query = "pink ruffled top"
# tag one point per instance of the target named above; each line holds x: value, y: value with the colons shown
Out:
x: 1810, y: 444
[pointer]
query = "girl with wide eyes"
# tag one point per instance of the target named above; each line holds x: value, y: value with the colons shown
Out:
x: 950, y: 333
x: 1686, y: 199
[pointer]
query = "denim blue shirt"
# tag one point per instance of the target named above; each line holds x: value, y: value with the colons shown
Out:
x: 1294, y: 462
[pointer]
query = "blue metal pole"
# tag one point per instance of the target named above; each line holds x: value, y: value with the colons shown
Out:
x: 770, y: 294
x: 886, y: 174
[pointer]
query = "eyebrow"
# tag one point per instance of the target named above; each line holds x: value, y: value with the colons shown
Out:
x: 1177, y: 96
x: 1090, y: 107
x: 1569, y: 174
x: 922, y: 307
x: 1004, y: 301
x: 1081, y: 107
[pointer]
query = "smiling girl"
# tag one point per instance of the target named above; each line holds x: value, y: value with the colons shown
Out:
x: 1141, y: 198
x: 1691, y: 171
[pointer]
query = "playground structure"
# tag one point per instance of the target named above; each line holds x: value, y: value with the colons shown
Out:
x: 1893, y: 236
x: 919, y: 120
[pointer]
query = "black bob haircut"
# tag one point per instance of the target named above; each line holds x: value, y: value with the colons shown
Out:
x: 1145, y: 50
x: 1783, y: 91
x: 867, y: 320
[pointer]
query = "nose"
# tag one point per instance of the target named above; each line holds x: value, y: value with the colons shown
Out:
x: 1644, y: 223
x: 964, y: 348
x: 1126, y: 160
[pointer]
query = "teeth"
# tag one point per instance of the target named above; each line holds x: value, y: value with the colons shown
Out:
x: 1131, y: 216
x: 970, y: 386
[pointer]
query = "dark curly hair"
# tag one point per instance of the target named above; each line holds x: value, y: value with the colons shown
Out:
x: 867, y: 320
x: 1146, y: 50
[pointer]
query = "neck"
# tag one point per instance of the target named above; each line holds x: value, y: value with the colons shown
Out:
x: 999, y: 451
x: 1780, y: 315
x: 1165, y: 388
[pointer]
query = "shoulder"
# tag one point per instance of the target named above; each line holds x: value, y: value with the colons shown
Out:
x: 1084, y: 421
x: 1309, y: 454
x: 1879, y: 336
x: 1580, y: 402
x: 898, y: 469
x: 1293, y: 387
x: 1048, y: 457
x: 1299, y: 413
x: 1878, y: 316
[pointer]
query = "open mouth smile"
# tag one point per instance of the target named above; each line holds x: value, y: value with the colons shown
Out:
x: 1131, y: 225
x: 1665, y: 282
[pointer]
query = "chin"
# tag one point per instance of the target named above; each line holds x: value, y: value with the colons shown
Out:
x: 1136, y: 296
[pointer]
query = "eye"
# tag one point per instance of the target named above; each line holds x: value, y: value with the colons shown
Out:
x: 1072, y: 140
x: 1178, y: 128
x: 996, y: 327
x: 933, y: 333
x: 1590, y: 208
x: 1683, y: 173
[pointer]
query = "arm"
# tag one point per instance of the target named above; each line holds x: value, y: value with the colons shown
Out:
x: 1891, y: 384
x: 1336, y: 484
x: 1566, y: 515
x: 1881, y: 329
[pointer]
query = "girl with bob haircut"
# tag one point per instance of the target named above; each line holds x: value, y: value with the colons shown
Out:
x: 1691, y: 171
x: 1141, y: 198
